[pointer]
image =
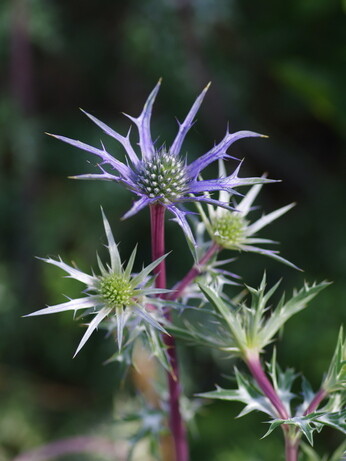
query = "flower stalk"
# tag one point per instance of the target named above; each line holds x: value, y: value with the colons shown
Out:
x: 157, y: 220
x: 254, y: 364
x: 291, y: 449
x: 196, y: 270
x: 291, y: 443
x: 315, y: 402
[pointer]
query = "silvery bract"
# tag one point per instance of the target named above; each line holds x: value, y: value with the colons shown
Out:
x: 114, y: 293
x: 250, y: 325
x: 232, y: 230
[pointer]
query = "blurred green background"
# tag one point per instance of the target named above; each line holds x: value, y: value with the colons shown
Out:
x: 276, y: 68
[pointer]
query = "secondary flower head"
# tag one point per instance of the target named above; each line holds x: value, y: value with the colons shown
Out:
x: 232, y: 229
x: 161, y: 175
x: 115, y: 293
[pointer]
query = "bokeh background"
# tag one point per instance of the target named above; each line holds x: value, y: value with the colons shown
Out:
x: 276, y: 68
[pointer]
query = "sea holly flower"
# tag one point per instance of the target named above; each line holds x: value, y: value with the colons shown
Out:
x: 162, y: 175
x: 232, y: 230
x: 114, y: 294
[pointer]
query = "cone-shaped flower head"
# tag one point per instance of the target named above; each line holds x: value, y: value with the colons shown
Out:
x: 232, y: 230
x: 114, y: 293
x: 163, y: 175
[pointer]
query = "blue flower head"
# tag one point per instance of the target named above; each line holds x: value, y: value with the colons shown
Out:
x: 162, y: 176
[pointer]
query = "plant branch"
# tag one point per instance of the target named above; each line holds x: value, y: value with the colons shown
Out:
x: 291, y: 448
x: 254, y: 364
x: 197, y: 269
x: 320, y: 395
x: 291, y: 444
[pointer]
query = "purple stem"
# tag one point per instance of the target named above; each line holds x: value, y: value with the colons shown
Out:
x: 291, y: 449
x: 193, y: 273
x: 157, y: 219
x: 321, y: 395
x: 255, y: 366
x: 291, y: 444
x: 157, y: 222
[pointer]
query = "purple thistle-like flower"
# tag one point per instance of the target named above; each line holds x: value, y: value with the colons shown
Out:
x: 163, y: 175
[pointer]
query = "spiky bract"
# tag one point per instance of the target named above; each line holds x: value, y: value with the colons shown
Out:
x: 161, y: 175
x: 114, y: 295
x: 232, y: 230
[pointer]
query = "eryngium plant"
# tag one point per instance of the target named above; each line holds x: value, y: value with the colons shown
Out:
x: 132, y: 306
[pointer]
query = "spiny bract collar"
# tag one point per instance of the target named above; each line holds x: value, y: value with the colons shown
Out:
x: 110, y: 294
x: 159, y: 175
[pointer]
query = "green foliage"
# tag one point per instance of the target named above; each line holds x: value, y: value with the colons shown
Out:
x: 251, y: 328
x: 150, y: 426
x: 308, y: 424
x: 283, y: 381
x: 247, y: 393
x: 333, y: 414
x: 335, y: 380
